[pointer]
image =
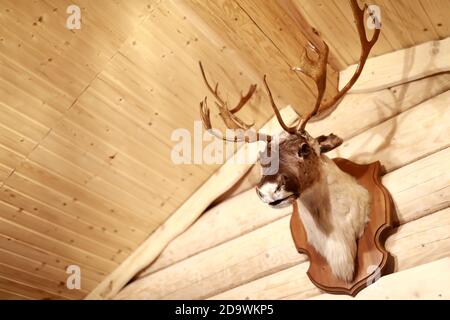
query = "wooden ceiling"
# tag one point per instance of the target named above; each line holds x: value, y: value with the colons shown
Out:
x: 86, y: 115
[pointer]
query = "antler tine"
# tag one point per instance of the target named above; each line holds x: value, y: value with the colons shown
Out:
x: 231, y: 121
x: 366, y: 46
x: 244, y: 99
x: 317, y: 71
x: 290, y: 130
x: 214, y: 91
x: 206, y: 120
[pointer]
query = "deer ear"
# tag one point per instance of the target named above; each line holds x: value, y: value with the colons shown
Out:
x: 329, y: 142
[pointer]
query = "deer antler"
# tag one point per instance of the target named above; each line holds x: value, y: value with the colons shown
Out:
x: 227, y: 115
x: 317, y: 69
x: 290, y: 130
x: 366, y: 46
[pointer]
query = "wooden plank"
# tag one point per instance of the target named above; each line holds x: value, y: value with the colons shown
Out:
x: 5, y: 171
x: 26, y: 290
x: 77, y: 219
x: 10, y: 158
x: 430, y: 281
x: 7, y: 295
x: 400, y: 66
x: 112, y: 211
x: 218, y: 223
x: 90, y: 181
x: 186, y: 215
x: 41, y: 93
x: 401, y: 140
x: 405, y: 145
x: 293, y: 283
x: 278, y: 285
x: 34, y: 222
x: 88, y: 142
x: 15, y: 141
x: 102, y: 170
x: 73, y: 254
x: 46, y: 259
x: 429, y: 181
x: 417, y: 22
x: 138, y: 149
x: 436, y: 11
x: 41, y: 269
x: 49, y: 285
x: 70, y: 205
x: 22, y: 123
x: 118, y: 158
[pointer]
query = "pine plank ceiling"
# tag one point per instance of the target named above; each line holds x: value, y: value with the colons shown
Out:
x: 86, y: 115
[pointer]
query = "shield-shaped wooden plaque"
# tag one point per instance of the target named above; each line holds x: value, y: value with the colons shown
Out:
x: 372, y: 257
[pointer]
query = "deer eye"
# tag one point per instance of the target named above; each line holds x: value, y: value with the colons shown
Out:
x: 304, y: 150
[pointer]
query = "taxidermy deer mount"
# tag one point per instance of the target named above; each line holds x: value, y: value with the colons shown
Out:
x: 333, y: 207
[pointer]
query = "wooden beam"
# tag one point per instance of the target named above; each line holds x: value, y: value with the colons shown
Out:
x: 401, y: 140
x: 257, y: 254
x: 400, y: 66
x: 186, y: 215
x: 218, y: 223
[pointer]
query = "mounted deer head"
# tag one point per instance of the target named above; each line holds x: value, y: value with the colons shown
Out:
x: 305, y: 173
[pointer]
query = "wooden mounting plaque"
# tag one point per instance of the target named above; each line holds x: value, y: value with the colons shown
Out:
x: 372, y: 257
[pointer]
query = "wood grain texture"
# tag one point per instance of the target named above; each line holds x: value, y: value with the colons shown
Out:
x: 402, y: 139
x: 401, y: 66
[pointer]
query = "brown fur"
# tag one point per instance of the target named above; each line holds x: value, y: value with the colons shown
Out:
x: 296, y: 172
